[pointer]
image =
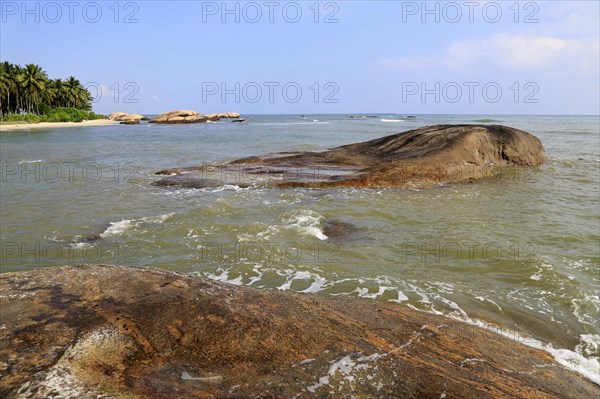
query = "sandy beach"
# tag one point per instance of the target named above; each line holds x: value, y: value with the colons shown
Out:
x: 46, y: 125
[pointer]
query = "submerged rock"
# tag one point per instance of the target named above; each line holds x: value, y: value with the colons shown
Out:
x: 336, y: 229
x: 188, y: 181
x: 425, y: 156
x: 88, y: 331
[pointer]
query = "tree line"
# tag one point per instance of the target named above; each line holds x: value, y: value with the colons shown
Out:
x: 28, y: 90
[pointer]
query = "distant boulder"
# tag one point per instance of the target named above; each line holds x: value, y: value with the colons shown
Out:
x: 184, y: 116
x: 231, y: 115
x: 125, y: 117
x: 213, y: 117
x: 115, y: 115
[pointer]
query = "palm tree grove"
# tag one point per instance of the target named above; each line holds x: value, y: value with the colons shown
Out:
x: 28, y: 95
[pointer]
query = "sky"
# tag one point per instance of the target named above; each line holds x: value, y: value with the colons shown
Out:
x: 302, y: 57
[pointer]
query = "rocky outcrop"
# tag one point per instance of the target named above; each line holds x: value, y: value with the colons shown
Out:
x: 421, y: 157
x: 106, y: 331
x: 224, y: 115
x: 125, y: 117
x: 184, y: 116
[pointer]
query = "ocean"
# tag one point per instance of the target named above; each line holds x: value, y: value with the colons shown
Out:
x: 518, y: 253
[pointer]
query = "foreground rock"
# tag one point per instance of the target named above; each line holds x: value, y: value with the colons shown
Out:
x: 429, y: 155
x: 89, y: 331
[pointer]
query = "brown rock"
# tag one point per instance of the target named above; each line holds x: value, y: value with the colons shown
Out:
x: 180, y: 117
x: 125, y: 117
x: 115, y: 115
x: 232, y: 115
x: 421, y: 157
x: 86, y: 331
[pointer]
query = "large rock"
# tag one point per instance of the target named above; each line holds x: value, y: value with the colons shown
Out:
x: 105, y: 331
x: 125, y: 117
x: 180, y: 117
x: 421, y: 157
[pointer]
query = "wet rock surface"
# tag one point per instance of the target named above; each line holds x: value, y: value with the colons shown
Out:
x: 105, y: 331
x: 421, y: 157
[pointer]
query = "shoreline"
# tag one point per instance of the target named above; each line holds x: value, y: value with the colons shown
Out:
x: 46, y: 125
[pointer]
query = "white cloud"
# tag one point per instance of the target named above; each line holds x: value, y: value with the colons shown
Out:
x: 566, y: 40
x: 579, y: 18
x: 544, y: 54
x: 155, y: 97
x: 509, y: 51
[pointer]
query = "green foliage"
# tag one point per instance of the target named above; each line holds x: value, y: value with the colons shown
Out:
x: 28, y: 90
x: 60, y: 114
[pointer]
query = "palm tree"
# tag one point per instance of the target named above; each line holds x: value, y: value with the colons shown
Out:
x: 9, y: 87
x: 55, y: 93
x: 6, y: 87
x: 76, y: 95
x: 33, y: 82
x: 29, y: 90
x: 72, y: 91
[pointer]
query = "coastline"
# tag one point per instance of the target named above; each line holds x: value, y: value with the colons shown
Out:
x: 46, y: 125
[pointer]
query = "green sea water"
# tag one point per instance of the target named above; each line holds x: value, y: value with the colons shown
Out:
x: 518, y: 253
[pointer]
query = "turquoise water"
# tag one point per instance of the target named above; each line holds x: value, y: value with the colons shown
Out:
x: 518, y: 253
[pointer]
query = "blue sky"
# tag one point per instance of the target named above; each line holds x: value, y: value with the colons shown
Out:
x: 479, y: 57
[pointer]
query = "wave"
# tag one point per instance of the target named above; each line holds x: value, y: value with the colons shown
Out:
x: 307, y: 222
x: 391, y: 120
x: 120, y: 227
x: 31, y: 161
x: 580, y: 360
x: 573, y: 360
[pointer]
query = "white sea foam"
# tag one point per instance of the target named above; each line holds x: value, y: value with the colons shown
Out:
x: 391, y: 120
x: 580, y: 360
x: 588, y: 367
x: 345, y: 368
x: 307, y: 222
x: 120, y: 227
x: 31, y: 161
x: 590, y: 344
x: 224, y: 277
